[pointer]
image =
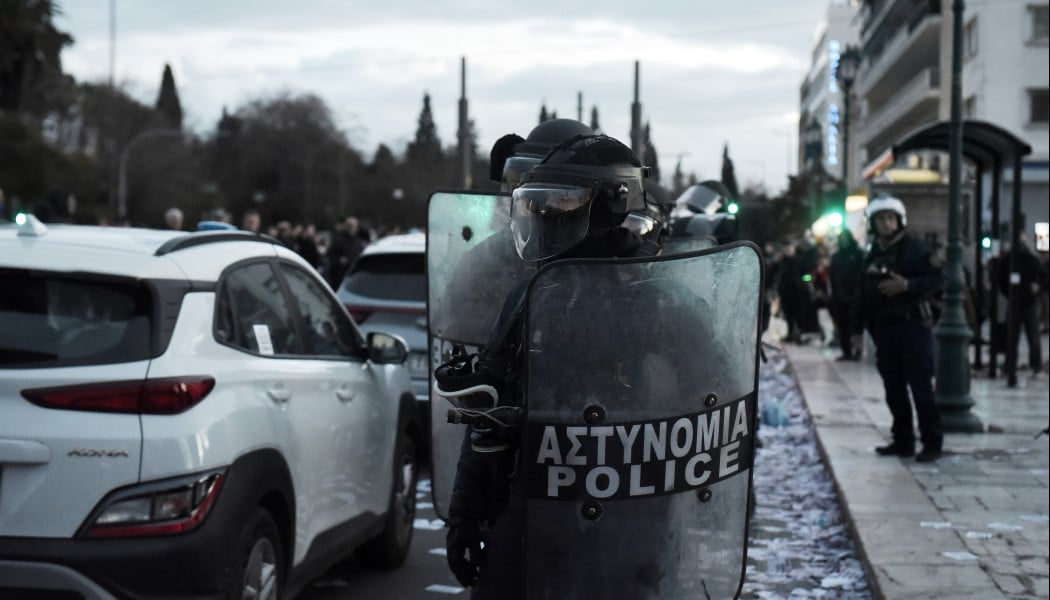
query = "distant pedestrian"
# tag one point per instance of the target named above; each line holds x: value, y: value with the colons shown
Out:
x: 1023, y: 275
x: 901, y: 275
x: 345, y: 246
x: 790, y: 290
x: 846, y: 274
x: 173, y: 219
x: 251, y: 221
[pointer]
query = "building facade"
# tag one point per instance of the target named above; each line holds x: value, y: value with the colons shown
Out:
x: 904, y: 83
x: 821, y: 102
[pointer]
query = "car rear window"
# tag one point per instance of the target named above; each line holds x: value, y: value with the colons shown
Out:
x: 389, y: 276
x: 51, y: 320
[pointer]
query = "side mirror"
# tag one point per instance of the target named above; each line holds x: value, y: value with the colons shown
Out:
x: 386, y: 349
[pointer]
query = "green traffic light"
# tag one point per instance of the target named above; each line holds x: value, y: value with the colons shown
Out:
x: 835, y: 219
x: 986, y: 242
x: 20, y: 218
x: 733, y: 208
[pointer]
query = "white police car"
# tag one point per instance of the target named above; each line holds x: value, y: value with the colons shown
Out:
x: 190, y: 414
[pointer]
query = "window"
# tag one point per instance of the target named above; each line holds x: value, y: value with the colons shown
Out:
x: 252, y: 313
x: 1039, y: 106
x: 1039, y: 24
x: 55, y: 320
x: 970, y: 39
x: 328, y: 328
x: 390, y: 276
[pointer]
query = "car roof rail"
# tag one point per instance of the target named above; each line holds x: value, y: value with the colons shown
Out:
x: 200, y: 238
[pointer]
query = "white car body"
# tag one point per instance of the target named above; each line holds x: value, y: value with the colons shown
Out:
x: 337, y: 424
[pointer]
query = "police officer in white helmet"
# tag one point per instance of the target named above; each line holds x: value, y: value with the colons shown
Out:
x: 902, y: 275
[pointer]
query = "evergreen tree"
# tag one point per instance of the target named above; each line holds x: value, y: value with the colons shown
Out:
x: 168, y: 104
x: 426, y: 146
x: 543, y: 113
x: 30, y: 61
x: 594, y: 120
x: 678, y: 179
x: 729, y: 175
x: 650, y: 154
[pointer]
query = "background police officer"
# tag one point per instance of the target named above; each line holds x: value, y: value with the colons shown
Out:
x: 901, y: 275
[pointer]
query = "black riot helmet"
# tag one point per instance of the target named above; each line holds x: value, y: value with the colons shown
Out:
x: 583, y: 188
x: 512, y: 156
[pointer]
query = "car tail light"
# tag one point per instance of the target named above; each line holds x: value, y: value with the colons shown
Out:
x: 167, y: 396
x: 174, y: 509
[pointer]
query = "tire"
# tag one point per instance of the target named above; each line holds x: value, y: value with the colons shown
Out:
x: 390, y: 548
x: 259, y: 570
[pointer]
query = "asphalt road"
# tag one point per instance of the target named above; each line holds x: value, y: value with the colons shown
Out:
x: 799, y: 546
x: 424, y: 575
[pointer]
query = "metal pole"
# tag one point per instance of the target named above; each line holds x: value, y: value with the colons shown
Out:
x: 953, y: 335
x: 1013, y: 306
x: 846, y: 85
x: 978, y: 268
x: 993, y: 275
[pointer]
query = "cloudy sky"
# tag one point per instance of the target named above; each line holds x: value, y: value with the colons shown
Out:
x: 712, y: 71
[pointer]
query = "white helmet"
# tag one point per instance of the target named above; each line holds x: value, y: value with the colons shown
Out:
x: 883, y: 203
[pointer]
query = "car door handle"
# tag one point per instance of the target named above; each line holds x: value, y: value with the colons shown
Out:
x: 278, y: 393
x: 345, y: 393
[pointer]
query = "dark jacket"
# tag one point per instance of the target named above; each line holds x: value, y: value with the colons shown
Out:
x: 1028, y: 268
x: 847, y: 273
x: 913, y: 260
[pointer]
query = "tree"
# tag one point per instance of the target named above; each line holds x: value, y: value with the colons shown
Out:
x: 168, y: 104
x: 543, y: 113
x: 285, y: 157
x: 426, y: 146
x: 650, y: 158
x: 30, y: 55
x: 594, y: 120
x: 729, y: 175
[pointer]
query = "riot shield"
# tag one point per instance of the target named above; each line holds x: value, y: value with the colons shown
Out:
x: 641, y: 383
x: 471, y: 268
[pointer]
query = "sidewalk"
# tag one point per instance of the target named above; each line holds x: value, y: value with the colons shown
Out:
x: 972, y: 525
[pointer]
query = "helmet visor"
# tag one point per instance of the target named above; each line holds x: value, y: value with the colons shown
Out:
x: 547, y: 219
x: 514, y: 168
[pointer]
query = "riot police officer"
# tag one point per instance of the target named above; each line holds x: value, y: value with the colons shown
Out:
x: 901, y: 277
x: 574, y: 204
x: 550, y: 219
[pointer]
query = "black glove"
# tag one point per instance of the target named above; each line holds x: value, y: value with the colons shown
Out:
x: 463, y: 544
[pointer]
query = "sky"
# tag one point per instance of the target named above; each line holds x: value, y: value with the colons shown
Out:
x: 711, y: 72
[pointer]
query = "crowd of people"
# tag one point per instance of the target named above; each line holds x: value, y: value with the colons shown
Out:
x: 815, y: 285
x: 332, y: 252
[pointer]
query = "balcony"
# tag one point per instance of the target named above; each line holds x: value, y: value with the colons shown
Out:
x: 914, y: 44
x: 918, y: 97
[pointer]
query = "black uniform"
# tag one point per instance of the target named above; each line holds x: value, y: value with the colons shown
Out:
x: 901, y: 327
x: 847, y: 280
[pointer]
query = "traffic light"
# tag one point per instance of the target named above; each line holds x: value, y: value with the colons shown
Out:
x: 733, y: 208
x: 986, y: 242
x: 20, y: 218
x: 835, y: 219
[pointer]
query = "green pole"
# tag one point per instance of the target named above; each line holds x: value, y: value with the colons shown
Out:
x: 953, y: 334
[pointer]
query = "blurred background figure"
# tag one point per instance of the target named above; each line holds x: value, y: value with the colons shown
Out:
x: 1026, y: 279
x: 251, y: 221
x: 847, y: 279
x: 173, y: 219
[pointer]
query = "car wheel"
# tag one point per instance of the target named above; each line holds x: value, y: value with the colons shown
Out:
x: 390, y: 548
x: 259, y: 573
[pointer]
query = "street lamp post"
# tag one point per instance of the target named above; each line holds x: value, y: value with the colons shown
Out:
x: 849, y: 62
x: 122, y: 169
x: 953, y: 334
x: 813, y: 153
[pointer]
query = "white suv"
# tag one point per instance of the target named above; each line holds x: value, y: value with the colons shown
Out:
x: 190, y: 414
